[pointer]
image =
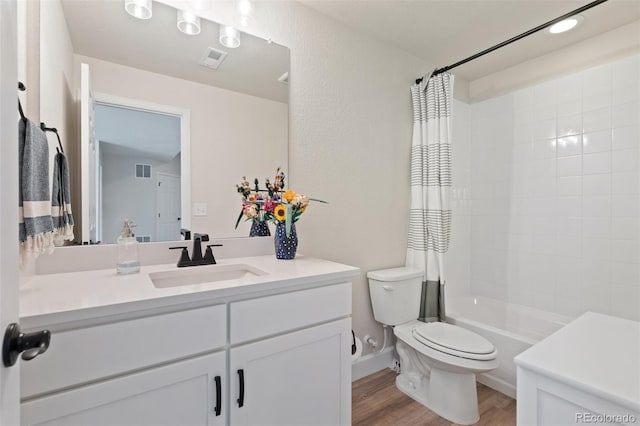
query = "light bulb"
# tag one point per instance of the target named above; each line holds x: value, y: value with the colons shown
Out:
x: 141, y: 9
x: 188, y: 23
x: 229, y: 37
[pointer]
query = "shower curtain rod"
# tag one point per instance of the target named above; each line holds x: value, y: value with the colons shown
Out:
x: 516, y: 38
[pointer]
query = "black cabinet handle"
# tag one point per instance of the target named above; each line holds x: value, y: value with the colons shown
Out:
x: 241, y: 380
x: 218, y: 407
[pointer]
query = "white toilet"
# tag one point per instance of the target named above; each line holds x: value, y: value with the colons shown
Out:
x: 438, y: 361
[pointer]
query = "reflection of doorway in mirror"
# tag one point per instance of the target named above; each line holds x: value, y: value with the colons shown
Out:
x: 168, y: 204
x: 140, y: 151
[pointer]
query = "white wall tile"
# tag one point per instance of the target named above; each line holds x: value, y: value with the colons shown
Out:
x: 570, y: 166
x: 544, y: 129
x: 625, y: 206
x: 571, y: 185
x: 569, y: 88
x: 626, y: 137
x: 595, y: 120
x: 596, y: 249
x: 596, y: 184
x: 596, y: 227
x: 569, y: 227
x: 544, y: 148
x: 626, y: 114
x: 569, y: 145
x: 625, y: 251
x: 597, y: 80
x: 555, y: 182
x: 625, y: 160
x: 569, y: 125
x: 596, y: 141
x: 599, y: 162
x: 566, y: 108
x: 596, y: 205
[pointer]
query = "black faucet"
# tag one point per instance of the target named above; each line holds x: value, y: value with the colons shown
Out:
x: 196, y: 257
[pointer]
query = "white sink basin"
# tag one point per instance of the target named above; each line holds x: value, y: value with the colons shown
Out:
x: 203, y: 274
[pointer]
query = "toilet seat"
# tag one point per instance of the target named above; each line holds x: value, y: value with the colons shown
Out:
x: 454, y: 340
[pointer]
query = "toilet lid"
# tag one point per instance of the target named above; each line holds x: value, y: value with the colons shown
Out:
x: 454, y: 340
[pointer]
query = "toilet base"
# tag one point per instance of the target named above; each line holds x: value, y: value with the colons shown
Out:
x: 448, y: 394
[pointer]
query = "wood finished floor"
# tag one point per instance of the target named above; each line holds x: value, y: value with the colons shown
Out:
x: 377, y: 401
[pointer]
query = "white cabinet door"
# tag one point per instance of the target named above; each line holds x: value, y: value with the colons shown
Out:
x: 300, y: 378
x: 182, y: 393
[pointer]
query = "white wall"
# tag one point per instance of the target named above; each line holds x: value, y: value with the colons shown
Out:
x: 350, y: 138
x: 56, y: 96
x: 555, y: 193
x: 232, y: 135
x: 125, y: 196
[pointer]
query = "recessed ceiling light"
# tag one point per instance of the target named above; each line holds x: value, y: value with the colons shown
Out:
x: 141, y: 9
x: 565, y: 25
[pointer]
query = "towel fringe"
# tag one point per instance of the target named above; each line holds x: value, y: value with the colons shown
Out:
x: 34, y: 245
x: 62, y: 234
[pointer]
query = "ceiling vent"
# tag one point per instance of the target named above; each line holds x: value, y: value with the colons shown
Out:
x: 212, y: 58
x: 284, y: 78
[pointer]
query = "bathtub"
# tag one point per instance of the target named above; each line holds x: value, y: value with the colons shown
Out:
x: 511, y: 328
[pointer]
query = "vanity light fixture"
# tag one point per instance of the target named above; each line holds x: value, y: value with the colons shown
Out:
x: 141, y: 9
x: 245, y: 11
x: 188, y: 23
x: 229, y: 37
x: 565, y: 25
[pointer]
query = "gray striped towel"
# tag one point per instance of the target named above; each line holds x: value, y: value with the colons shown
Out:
x: 36, y: 226
x: 61, y: 201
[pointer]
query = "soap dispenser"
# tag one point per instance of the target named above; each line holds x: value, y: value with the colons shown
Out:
x: 128, y: 262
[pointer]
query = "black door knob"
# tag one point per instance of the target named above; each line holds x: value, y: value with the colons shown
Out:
x: 29, y: 344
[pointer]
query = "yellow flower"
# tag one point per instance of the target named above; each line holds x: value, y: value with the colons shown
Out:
x: 288, y: 195
x: 280, y: 212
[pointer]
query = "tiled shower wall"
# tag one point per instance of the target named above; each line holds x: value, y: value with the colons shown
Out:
x: 554, y: 193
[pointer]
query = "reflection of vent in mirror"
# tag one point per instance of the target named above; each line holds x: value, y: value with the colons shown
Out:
x: 143, y: 238
x: 212, y: 58
x: 143, y: 171
x: 284, y: 78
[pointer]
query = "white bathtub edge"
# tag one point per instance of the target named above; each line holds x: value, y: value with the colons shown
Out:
x: 497, y: 384
x: 371, y: 363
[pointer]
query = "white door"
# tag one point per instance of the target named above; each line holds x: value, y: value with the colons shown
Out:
x: 9, y: 377
x: 88, y: 199
x: 300, y: 378
x: 168, y: 202
x: 183, y: 393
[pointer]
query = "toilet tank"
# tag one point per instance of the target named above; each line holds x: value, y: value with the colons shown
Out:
x: 395, y: 294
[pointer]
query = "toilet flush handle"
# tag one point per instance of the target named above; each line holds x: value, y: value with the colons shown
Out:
x: 388, y: 287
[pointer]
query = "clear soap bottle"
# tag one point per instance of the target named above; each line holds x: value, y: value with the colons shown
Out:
x: 128, y: 262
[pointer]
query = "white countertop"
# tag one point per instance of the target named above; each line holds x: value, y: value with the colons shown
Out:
x: 597, y: 353
x: 76, y: 296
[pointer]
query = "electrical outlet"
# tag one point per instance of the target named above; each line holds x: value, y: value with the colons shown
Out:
x: 199, y: 209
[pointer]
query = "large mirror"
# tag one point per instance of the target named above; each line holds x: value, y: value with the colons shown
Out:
x: 161, y: 124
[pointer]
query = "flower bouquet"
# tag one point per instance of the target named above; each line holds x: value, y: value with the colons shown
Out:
x: 274, y: 204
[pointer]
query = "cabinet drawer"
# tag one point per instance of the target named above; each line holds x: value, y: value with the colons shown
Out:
x: 252, y: 319
x: 181, y: 393
x: 88, y: 354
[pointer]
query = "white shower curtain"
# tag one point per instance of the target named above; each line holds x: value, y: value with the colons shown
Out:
x: 430, y: 215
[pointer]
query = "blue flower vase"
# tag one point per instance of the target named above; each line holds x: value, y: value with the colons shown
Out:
x: 259, y: 229
x: 285, y: 246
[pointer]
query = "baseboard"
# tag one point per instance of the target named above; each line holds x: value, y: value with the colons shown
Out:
x: 371, y: 363
x: 497, y: 384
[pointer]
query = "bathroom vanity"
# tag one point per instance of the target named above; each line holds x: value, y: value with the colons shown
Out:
x: 587, y: 372
x: 248, y: 341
